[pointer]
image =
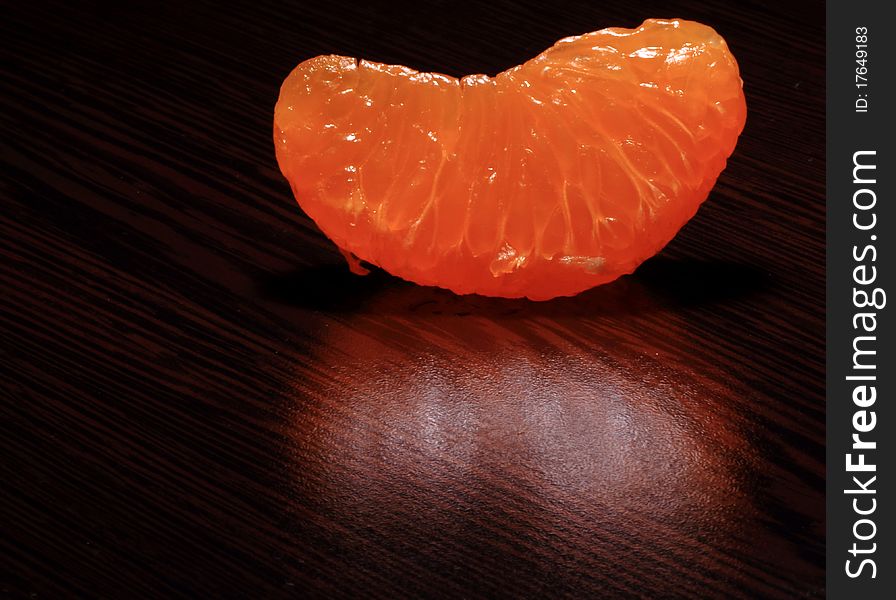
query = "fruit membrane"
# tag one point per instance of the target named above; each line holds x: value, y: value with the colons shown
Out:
x: 550, y: 178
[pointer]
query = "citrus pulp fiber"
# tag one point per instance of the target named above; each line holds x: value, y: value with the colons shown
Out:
x: 554, y: 176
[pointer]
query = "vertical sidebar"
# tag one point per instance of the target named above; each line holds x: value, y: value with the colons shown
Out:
x: 861, y: 366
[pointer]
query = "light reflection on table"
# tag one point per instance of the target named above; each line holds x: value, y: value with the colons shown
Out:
x: 615, y: 459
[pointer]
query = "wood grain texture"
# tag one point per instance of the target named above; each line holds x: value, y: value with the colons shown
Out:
x: 199, y: 400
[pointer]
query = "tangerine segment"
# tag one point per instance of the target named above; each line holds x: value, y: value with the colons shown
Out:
x: 554, y: 176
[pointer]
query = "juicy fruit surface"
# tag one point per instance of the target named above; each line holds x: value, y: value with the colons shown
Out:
x: 552, y: 177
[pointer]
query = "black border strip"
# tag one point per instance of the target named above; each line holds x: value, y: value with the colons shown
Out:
x: 861, y: 366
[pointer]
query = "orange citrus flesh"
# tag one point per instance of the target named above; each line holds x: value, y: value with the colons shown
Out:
x: 552, y: 177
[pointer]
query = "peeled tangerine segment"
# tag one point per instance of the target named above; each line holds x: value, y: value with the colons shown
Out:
x: 551, y: 178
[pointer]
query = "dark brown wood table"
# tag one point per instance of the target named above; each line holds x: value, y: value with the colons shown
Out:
x: 199, y: 400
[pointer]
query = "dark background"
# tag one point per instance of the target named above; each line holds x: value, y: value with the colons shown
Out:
x: 198, y: 399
